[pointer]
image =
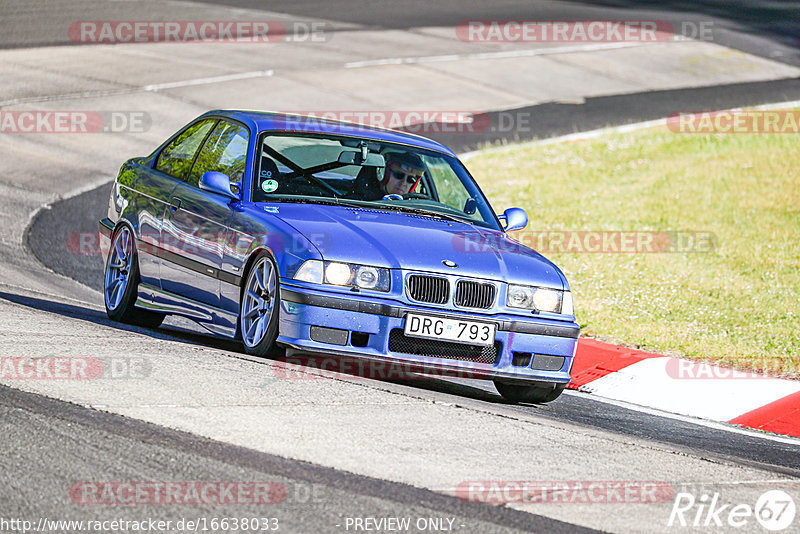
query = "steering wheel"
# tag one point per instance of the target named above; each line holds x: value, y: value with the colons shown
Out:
x: 392, y: 197
x: 410, y: 196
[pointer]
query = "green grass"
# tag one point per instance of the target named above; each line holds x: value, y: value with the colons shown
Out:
x: 737, y: 305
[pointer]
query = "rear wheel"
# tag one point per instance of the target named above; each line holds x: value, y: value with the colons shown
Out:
x: 121, y: 284
x: 531, y: 394
x: 258, y: 311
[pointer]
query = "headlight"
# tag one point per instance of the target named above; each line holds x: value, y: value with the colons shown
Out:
x: 338, y: 274
x: 547, y: 300
x: 344, y: 274
x: 367, y: 277
x: 520, y: 297
x: 536, y: 298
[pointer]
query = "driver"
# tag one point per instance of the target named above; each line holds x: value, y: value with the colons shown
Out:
x: 402, y: 173
x: 401, y: 176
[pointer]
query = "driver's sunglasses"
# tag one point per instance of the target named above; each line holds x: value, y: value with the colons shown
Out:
x: 409, y: 178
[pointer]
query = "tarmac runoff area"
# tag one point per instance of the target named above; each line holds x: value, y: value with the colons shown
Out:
x: 417, y: 437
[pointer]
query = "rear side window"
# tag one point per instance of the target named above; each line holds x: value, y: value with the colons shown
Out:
x: 176, y: 159
x: 224, y: 151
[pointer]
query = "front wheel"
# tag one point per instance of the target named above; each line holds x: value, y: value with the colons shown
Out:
x: 531, y: 394
x: 258, y: 311
x: 121, y: 283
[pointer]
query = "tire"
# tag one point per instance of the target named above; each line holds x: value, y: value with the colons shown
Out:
x: 530, y: 394
x: 121, y: 283
x: 259, y: 307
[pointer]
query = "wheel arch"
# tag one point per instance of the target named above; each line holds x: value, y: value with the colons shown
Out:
x: 248, y: 264
x: 124, y: 221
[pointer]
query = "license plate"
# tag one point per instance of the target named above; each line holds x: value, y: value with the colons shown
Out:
x: 457, y: 330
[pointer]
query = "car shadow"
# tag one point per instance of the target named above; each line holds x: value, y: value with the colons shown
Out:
x: 347, y: 368
x: 305, y: 365
x: 167, y: 332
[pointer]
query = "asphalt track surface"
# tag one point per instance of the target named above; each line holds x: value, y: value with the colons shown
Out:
x: 102, y: 446
x: 109, y: 446
x: 752, y: 26
x: 48, y: 234
x: 766, y: 28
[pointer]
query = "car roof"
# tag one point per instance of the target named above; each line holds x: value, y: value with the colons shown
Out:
x: 262, y: 121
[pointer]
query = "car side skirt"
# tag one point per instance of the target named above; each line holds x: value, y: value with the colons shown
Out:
x: 213, y: 319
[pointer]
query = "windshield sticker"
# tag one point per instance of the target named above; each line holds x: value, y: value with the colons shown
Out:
x: 268, y: 186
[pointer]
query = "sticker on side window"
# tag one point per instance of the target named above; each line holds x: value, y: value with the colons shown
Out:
x: 268, y: 186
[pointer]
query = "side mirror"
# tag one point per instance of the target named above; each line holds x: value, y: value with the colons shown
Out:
x: 219, y: 183
x: 514, y: 219
x: 470, y: 206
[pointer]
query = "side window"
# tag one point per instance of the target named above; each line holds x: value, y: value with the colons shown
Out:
x: 224, y: 151
x: 177, y: 157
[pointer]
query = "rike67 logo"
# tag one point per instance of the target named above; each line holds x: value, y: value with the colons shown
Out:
x: 774, y: 510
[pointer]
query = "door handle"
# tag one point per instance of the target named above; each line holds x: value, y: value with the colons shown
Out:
x: 175, y: 204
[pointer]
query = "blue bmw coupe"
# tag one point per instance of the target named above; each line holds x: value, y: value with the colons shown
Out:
x: 336, y: 239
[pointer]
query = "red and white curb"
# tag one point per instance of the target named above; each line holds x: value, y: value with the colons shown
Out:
x: 687, y: 388
x: 674, y: 385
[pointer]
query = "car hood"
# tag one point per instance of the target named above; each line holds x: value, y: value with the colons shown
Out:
x: 402, y: 240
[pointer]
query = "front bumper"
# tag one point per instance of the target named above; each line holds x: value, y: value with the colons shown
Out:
x: 529, y: 350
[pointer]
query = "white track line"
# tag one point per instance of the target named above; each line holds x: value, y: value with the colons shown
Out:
x: 707, y: 483
x: 205, y: 81
x: 727, y: 427
x: 490, y: 55
x: 149, y: 88
x: 690, y: 388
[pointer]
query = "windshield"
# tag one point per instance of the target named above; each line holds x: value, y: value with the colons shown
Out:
x: 367, y: 173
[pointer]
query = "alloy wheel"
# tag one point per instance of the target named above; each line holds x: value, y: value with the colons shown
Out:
x: 258, y: 302
x: 118, y: 268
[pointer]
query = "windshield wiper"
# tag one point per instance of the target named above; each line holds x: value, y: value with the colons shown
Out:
x: 427, y: 213
x: 299, y: 199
